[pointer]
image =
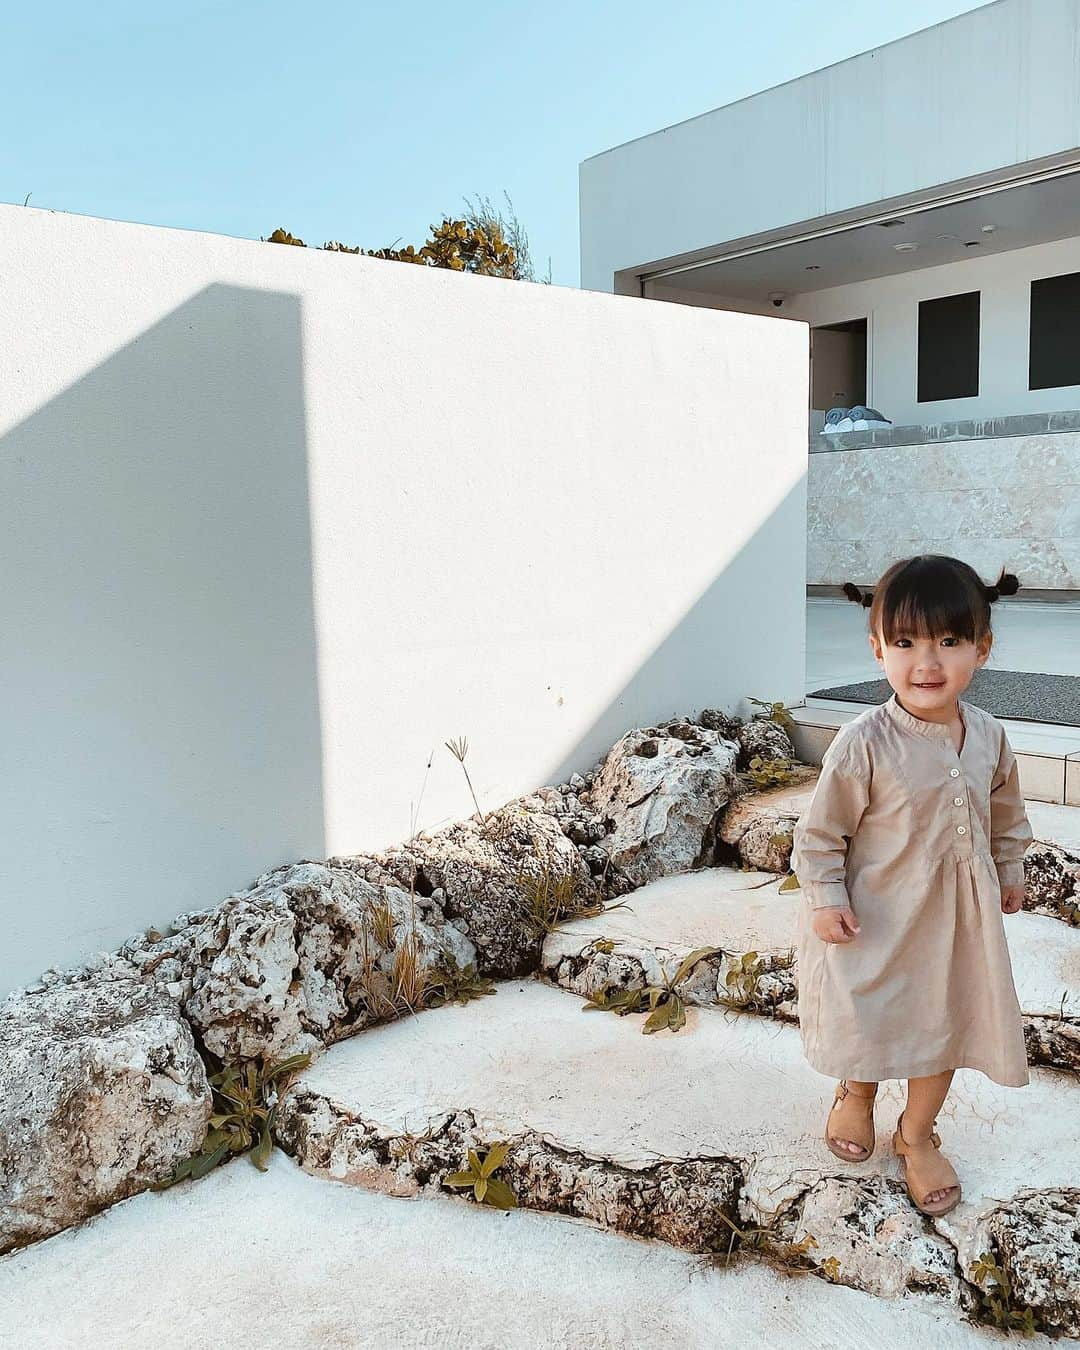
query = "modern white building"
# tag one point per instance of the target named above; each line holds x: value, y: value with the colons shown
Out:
x: 918, y: 206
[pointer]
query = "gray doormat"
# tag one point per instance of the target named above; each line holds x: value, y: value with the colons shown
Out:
x: 1016, y: 694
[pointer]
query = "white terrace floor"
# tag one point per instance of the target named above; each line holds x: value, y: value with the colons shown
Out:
x: 289, y: 1260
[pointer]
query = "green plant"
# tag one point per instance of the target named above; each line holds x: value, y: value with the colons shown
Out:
x: 667, y: 1009
x: 996, y: 1303
x: 281, y: 236
x: 485, y: 216
x: 765, y: 773
x: 487, y: 1189
x: 741, y: 980
x: 450, y: 983
x: 778, y: 712
x: 459, y: 245
x: 245, y: 1102
x: 551, y: 895
x: 404, y: 987
x: 409, y: 974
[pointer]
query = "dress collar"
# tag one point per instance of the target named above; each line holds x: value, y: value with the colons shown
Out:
x: 937, y: 730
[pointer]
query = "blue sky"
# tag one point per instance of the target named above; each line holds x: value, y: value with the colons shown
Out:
x: 367, y: 122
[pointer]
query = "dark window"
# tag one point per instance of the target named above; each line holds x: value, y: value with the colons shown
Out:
x: 1054, y: 347
x: 949, y: 347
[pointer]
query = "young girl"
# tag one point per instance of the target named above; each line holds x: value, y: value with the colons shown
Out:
x: 911, y: 848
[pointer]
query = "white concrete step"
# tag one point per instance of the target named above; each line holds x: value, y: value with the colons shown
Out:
x: 1048, y: 754
x: 665, y: 1134
x: 306, y: 1264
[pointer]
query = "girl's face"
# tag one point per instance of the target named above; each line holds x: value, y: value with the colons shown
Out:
x: 929, y: 674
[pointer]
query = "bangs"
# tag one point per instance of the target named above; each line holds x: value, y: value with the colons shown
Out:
x: 912, y: 608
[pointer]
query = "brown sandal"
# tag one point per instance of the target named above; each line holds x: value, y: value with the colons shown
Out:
x: 926, y: 1170
x: 866, y: 1139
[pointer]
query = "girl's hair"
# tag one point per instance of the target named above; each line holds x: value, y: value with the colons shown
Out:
x: 932, y: 595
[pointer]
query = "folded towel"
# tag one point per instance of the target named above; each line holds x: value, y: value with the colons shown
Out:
x: 862, y: 413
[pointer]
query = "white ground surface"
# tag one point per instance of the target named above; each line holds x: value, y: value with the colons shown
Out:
x: 285, y: 1260
x: 1055, y: 823
x: 529, y: 1057
x: 745, y: 911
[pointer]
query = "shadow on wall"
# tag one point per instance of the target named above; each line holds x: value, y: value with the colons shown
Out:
x: 703, y: 655
x: 161, y: 717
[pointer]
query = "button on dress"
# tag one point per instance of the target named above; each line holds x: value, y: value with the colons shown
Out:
x: 918, y: 839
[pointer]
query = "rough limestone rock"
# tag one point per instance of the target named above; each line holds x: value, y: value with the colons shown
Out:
x: 1053, y: 1041
x: 103, y: 1092
x: 762, y: 736
x: 486, y: 874
x: 1037, y: 1240
x: 868, y: 1235
x: 1052, y: 882
x: 727, y: 725
x: 296, y: 962
x: 758, y: 825
x: 770, y: 991
x: 686, y: 1202
x: 285, y: 967
x: 663, y: 789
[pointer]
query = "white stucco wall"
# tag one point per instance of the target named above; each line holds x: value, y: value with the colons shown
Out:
x: 891, y: 307
x: 277, y: 523
x: 995, y: 87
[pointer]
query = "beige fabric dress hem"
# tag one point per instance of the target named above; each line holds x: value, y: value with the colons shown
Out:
x: 918, y: 839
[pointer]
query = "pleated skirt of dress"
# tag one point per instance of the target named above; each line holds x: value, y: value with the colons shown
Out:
x: 926, y: 986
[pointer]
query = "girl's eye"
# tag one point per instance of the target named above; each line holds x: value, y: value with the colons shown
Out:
x: 953, y: 641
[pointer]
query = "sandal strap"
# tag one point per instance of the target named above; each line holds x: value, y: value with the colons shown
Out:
x: 934, y: 1171
x: 842, y: 1091
x: 902, y: 1145
x: 931, y: 1172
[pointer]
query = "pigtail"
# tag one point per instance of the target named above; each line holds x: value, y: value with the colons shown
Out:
x: 852, y: 592
x: 1006, y: 584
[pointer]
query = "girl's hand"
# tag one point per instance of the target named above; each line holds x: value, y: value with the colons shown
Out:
x: 835, y: 923
x: 1012, y: 899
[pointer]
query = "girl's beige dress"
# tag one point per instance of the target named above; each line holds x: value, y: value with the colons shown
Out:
x: 918, y: 839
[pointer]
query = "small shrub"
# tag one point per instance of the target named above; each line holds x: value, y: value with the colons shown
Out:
x: 667, y: 1010
x: 995, y: 1304
x: 453, y: 984
x: 552, y: 896
x: 777, y: 712
x: 741, y: 980
x: 487, y: 1189
x: 766, y: 773
x: 245, y: 1099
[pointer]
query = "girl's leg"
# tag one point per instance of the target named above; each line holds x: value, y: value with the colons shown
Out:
x: 925, y: 1098
x: 865, y: 1092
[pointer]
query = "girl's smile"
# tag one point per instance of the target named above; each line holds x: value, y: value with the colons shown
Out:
x: 929, y: 674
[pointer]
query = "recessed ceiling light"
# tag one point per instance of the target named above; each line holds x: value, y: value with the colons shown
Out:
x: 813, y: 267
x: 989, y: 229
x: 905, y: 248
x: 973, y: 243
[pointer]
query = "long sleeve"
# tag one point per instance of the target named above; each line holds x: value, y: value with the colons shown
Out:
x: 821, y: 834
x: 1010, y: 829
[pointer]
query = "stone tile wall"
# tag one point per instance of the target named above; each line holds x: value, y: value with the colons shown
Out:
x: 1011, y: 500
